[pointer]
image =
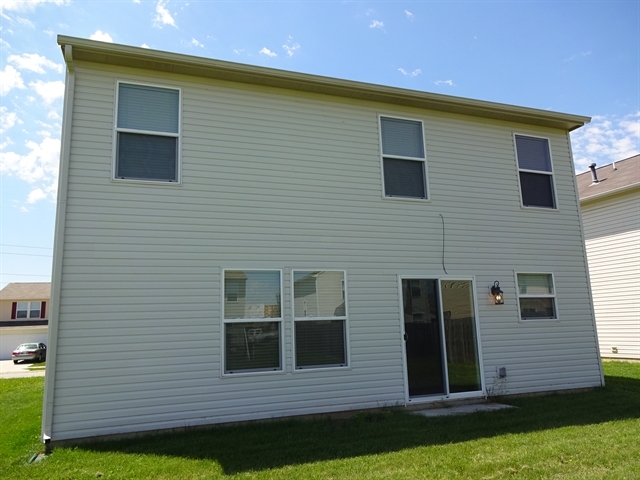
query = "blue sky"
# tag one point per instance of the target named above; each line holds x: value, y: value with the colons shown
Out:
x: 579, y: 57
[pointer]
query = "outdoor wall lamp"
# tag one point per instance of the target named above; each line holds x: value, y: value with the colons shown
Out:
x: 497, y: 293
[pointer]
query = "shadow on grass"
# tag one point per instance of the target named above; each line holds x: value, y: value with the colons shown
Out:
x: 281, y: 443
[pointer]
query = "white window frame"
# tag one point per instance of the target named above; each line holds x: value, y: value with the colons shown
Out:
x: 344, y: 318
x: 556, y: 206
x: 223, y: 359
x: 398, y: 157
x: 116, y: 130
x: 553, y: 296
x: 29, y: 309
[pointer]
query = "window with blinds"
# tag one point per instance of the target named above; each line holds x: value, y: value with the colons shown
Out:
x: 403, y: 158
x: 147, y: 133
x: 320, y: 319
x: 252, y: 321
x: 536, y: 172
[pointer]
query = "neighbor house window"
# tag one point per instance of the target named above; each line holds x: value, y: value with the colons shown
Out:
x: 147, y: 133
x: 320, y: 319
x: 536, y: 172
x: 403, y: 158
x: 28, y: 309
x: 536, y: 296
x: 252, y: 321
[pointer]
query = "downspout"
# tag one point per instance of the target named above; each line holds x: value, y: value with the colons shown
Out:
x: 58, y: 248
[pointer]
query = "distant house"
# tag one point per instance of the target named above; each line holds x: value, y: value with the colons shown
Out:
x: 610, y: 201
x: 23, y: 315
x: 237, y: 243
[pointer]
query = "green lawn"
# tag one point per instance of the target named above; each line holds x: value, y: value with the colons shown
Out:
x: 594, y: 434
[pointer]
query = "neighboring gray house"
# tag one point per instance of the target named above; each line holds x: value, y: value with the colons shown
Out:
x: 236, y: 242
x: 610, y: 201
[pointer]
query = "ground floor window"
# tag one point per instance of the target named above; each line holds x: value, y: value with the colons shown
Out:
x: 320, y: 320
x: 536, y: 296
x: 252, y: 321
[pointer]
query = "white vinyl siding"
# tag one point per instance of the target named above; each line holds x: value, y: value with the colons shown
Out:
x: 278, y: 180
x: 612, y: 236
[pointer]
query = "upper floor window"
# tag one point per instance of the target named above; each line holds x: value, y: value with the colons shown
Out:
x: 403, y: 158
x: 536, y: 172
x: 28, y: 310
x: 147, y: 133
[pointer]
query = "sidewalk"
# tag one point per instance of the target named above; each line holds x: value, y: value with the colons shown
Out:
x: 9, y: 370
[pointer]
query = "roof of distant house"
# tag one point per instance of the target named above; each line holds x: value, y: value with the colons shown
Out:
x: 612, y: 178
x: 26, y: 291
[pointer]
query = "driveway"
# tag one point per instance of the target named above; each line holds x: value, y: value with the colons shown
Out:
x: 9, y: 370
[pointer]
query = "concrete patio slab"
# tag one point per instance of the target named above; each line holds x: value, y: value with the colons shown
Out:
x: 461, y: 409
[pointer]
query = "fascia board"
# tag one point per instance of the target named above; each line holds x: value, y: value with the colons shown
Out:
x: 136, y: 57
x: 610, y: 193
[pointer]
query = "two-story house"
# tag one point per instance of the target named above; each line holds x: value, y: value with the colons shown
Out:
x: 236, y: 242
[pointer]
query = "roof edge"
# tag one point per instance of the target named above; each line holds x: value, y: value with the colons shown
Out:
x: 598, y: 196
x: 137, y: 57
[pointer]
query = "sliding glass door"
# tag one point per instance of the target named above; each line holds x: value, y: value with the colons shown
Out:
x: 441, y: 343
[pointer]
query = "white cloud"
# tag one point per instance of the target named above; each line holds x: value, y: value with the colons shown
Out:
x: 415, y: 73
x: 7, y: 119
x: 101, y: 36
x: 606, y: 139
x: 136, y: 1
x: 268, y: 52
x: 38, y: 167
x: 144, y: 45
x: 35, y: 195
x: 291, y: 47
x: 408, y: 14
x: 51, y: 33
x: 49, y: 91
x: 577, y: 55
x: 24, y: 5
x: 10, y: 78
x: 163, y: 16
x: 26, y: 22
x: 445, y: 82
x: 238, y: 51
x: 376, y: 24
x: 4, y: 43
x: 34, y: 63
x: 53, y: 115
x: 196, y: 43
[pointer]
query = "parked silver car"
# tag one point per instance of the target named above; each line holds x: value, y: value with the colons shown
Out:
x: 37, y: 352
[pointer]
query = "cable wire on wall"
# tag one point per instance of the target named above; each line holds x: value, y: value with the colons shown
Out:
x: 443, y: 267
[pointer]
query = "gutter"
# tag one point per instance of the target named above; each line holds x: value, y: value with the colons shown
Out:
x: 610, y: 192
x: 58, y: 244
